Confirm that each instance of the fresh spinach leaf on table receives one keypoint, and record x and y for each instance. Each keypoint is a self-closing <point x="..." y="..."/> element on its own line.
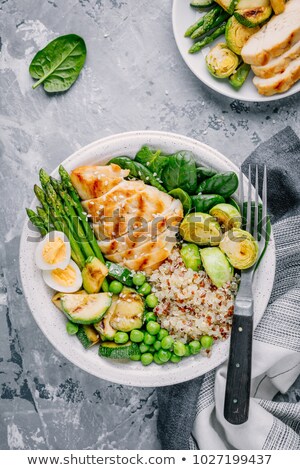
<point x="58" y="65"/>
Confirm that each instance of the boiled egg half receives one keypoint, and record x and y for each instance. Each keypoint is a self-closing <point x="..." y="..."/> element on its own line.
<point x="65" y="280"/>
<point x="53" y="251"/>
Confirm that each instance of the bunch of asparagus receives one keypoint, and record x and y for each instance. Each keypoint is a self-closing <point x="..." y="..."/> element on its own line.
<point x="62" y="210"/>
<point x="213" y="22"/>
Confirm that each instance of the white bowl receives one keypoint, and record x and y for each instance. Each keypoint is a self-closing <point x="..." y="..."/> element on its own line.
<point x="52" y="322"/>
<point x="183" y="15"/>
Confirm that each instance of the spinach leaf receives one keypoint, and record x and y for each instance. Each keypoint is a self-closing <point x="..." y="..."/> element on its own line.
<point x="58" y="65"/>
<point x="138" y="171"/>
<point x="152" y="159"/>
<point x="180" y="172"/>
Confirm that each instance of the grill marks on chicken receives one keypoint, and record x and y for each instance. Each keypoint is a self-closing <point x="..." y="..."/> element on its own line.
<point x="136" y="224"/>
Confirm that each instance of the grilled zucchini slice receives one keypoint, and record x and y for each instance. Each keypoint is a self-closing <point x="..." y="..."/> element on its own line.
<point x="104" y="327"/>
<point x="86" y="308"/>
<point x="118" y="351"/>
<point x="56" y="299"/>
<point x="93" y="275"/>
<point x="88" y="336"/>
<point x="228" y="5"/>
<point x="253" y="17"/>
<point x="129" y="311"/>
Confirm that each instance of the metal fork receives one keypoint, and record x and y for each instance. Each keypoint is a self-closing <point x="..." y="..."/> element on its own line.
<point x="237" y="394"/>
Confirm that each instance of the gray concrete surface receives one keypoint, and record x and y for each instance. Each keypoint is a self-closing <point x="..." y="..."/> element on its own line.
<point x="134" y="78"/>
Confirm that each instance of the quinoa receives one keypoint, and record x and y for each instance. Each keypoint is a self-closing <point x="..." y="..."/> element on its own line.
<point x="190" y="306"/>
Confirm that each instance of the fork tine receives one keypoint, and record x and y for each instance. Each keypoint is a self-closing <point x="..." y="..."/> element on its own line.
<point x="264" y="202"/>
<point x="249" y="205"/>
<point x="255" y="228"/>
<point x="241" y="191"/>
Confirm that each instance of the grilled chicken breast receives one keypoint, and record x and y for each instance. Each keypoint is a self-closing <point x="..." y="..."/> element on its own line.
<point x="276" y="37"/>
<point x="94" y="181"/>
<point x="280" y="82"/>
<point x="279" y="64"/>
<point x="135" y="223"/>
<point x="125" y="207"/>
<point x="143" y="232"/>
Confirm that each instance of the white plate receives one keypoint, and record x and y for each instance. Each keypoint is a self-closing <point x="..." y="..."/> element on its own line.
<point x="52" y="322"/>
<point x="183" y="16"/>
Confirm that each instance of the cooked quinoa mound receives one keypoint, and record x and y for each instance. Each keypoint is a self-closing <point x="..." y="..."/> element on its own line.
<point x="189" y="304"/>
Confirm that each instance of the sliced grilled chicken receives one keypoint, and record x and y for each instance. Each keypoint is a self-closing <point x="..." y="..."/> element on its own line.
<point x="148" y="254"/>
<point x="125" y="207"/>
<point x="94" y="181"/>
<point x="145" y="232"/>
<point x="279" y="83"/>
<point x="274" y="38"/>
<point x="279" y="64"/>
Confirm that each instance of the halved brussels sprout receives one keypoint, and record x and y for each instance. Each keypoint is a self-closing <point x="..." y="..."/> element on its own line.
<point x="237" y="34"/>
<point x="240" y="248"/>
<point x="201" y="229"/>
<point x="227" y="216"/>
<point x="221" y="61"/>
<point x="191" y="256"/>
<point x="216" y="265"/>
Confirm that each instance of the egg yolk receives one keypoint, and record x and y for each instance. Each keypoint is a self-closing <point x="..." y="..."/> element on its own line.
<point x="54" y="251"/>
<point x="64" y="277"/>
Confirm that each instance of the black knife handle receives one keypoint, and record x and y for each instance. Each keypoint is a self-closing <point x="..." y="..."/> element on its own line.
<point x="238" y="382"/>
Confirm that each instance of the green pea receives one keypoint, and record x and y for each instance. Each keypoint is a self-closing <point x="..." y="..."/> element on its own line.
<point x="121" y="337"/>
<point x="157" y="345"/>
<point x="139" y="279"/>
<point x="167" y="342"/>
<point x="206" y="341"/>
<point x="151" y="300"/>
<point x="71" y="328"/>
<point x="150" y="316"/>
<point x="179" y="348"/>
<point x="136" y="336"/>
<point x="153" y="327"/>
<point x="144" y="348"/>
<point x="187" y="351"/>
<point x="175" y="358"/>
<point x="149" y="339"/>
<point x="195" y="347"/>
<point x="156" y="359"/>
<point x="145" y="289"/>
<point x="152" y="349"/>
<point x="146" y="359"/>
<point x="115" y="287"/>
<point x="162" y="334"/>
<point x="163" y="355"/>
<point x="135" y="357"/>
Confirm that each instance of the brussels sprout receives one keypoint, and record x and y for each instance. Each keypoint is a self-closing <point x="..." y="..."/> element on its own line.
<point x="201" y="229"/>
<point x="216" y="265"/>
<point x="227" y="216"/>
<point x="191" y="256"/>
<point x="237" y="34"/>
<point x="240" y="248"/>
<point x="221" y="61"/>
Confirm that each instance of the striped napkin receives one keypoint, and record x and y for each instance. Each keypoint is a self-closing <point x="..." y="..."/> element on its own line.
<point x="191" y="414"/>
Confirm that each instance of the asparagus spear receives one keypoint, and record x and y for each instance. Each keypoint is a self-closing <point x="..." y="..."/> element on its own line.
<point x="210" y="22"/>
<point x="45" y="217"/>
<point x="36" y="220"/>
<point x="58" y="209"/>
<point x="238" y="78"/>
<point x="42" y="198"/>
<point x="201" y="20"/>
<point x="76" y="223"/>
<point x="66" y="181"/>
<point x="208" y="39"/>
